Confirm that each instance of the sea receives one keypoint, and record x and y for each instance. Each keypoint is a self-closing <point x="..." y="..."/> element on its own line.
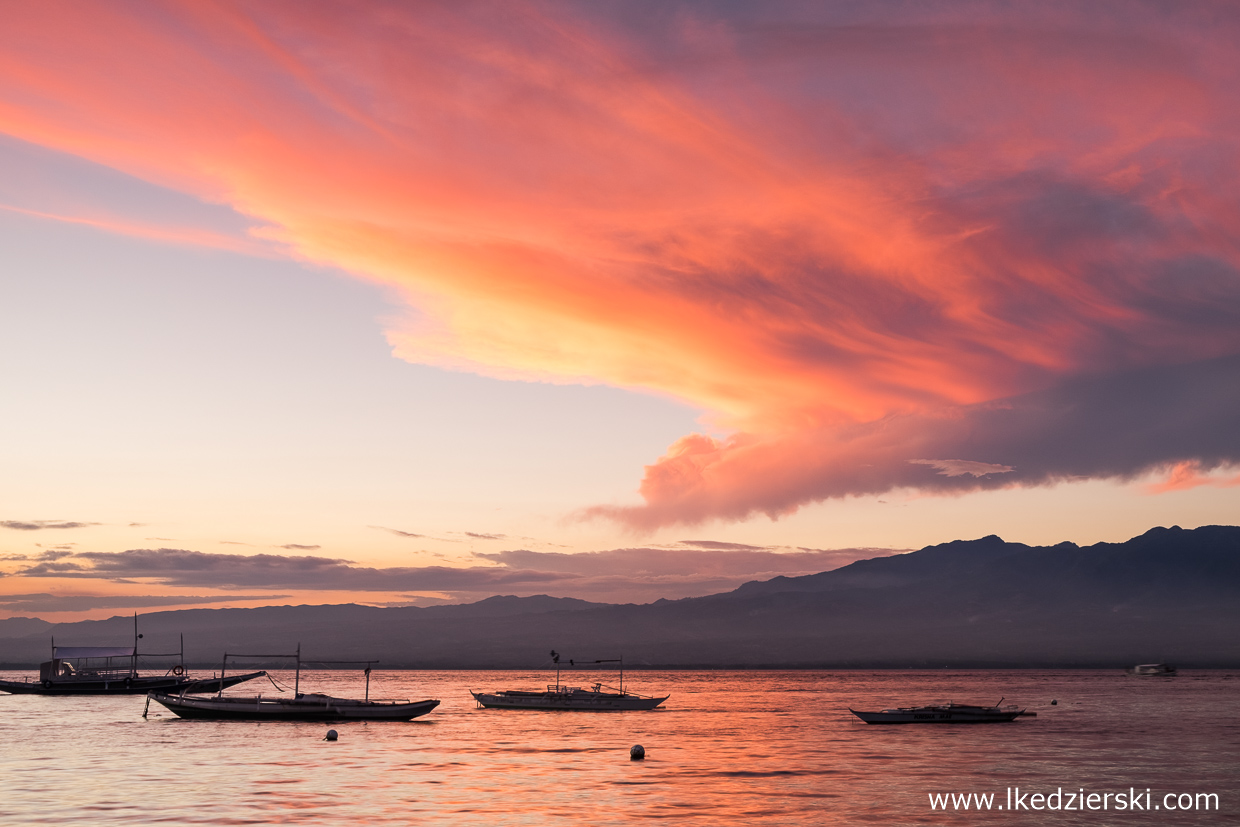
<point x="728" y="747"/>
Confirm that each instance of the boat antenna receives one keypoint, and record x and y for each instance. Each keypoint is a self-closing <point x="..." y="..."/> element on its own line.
<point x="133" y="659"/>
<point x="555" y="657"/>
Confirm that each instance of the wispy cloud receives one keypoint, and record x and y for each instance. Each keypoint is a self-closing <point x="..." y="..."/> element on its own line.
<point x="717" y="545"/>
<point x="960" y="467"/>
<point x="400" y="533"/>
<point x="49" y="603"/>
<point x="1185" y="476"/>
<point x="41" y="525"/>
<point x="299" y="547"/>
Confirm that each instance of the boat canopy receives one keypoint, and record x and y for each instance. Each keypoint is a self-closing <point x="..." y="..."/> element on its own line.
<point x="66" y="652"/>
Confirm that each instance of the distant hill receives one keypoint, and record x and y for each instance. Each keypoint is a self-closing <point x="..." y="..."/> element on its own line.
<point x="22" y="626"/>
<point x="1169" y="594"/>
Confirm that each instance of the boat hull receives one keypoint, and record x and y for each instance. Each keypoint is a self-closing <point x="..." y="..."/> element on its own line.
<point x="305" y="708"/>
<point x="130" y="686"/>
<point x="564" y="701"/>
<point x="940" y="715"/>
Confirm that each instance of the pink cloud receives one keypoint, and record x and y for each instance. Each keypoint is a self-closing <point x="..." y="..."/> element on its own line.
<point x="852" y="237"/>
<point x="1184" y="476"/>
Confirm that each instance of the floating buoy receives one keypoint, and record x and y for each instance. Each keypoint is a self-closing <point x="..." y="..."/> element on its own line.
<point x="637" y="753"/>
<point x="331" y="735"/>
<point x="1054" y="703"/>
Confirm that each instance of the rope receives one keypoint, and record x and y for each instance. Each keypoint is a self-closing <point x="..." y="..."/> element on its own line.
<point x="276" y="685"/>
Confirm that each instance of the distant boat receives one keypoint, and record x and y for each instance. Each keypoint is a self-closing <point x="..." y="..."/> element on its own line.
<point x="300" y="707"/>
<point x="1152" y="670"/>
<point x="558" y="696"/>
<point x="113" y="670"/>
<point x="945" y="714"/>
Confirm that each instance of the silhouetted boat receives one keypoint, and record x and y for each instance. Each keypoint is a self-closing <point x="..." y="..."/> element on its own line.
<point x="944" y="714"/>
<point x="59" y="676"/>
<point x="113" y="670"/>
<point x="299" y="707"/>
<point x="302" y="707"/>
<point x="560" y="697"/>
<point x="1152" y="670"/>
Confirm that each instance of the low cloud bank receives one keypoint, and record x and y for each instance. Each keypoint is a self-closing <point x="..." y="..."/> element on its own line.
<point x="617" y="575"/>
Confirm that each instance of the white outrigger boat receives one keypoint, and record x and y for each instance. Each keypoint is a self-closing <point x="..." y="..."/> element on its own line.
<point x="300" y="707"/>
<point x="1152" y="670"/>
<point x="949" y="713"/>
<point x="558" y="696"/>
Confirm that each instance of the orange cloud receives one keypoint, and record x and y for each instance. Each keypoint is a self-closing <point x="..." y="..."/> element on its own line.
<point x="1184" y="476"/>
<point x="195" y="236"/>
<point x="846" y="238"/>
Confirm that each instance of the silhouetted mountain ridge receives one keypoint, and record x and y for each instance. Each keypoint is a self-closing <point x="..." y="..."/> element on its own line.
<point x="1169" y="594"/>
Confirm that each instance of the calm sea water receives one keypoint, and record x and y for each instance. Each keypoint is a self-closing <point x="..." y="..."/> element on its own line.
<point x="753" y="748"/>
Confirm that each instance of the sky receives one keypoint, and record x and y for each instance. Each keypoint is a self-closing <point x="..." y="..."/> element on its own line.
<point x="400" y="304"/>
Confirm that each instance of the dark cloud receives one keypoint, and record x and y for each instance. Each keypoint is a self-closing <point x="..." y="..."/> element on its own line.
<point x="40" y="525"/>
<point x="87" y="602"/>
<point x="180" y="567"/>
<point x="299" y="547"/>
<point x="1109" y="426"/>
<point x="618" y="575"/>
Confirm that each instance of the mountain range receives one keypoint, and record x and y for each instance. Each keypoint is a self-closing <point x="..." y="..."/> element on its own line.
<point x="1168" y="595"/>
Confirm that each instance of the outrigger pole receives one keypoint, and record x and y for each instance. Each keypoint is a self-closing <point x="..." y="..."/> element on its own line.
<point x="354" y="662"/>
<point x="555" y="656"/>
<point x="297" y="674"/>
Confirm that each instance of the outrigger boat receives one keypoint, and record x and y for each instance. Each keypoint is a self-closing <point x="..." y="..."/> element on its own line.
<point x="945" y="714"/>
<point x="560" y="697"/>
<point x="1152" y="670"/>
<point x="300" y="707"/>
<point x="113" y="670"/>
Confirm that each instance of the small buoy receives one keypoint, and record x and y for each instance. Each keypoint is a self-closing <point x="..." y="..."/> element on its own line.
<point x="1054" y="703"/>
<point x="637" y="753"/>
<point x="331" y="735"/>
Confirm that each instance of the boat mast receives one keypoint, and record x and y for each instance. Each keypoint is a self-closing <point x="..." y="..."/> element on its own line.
<point x="297" y="674"/>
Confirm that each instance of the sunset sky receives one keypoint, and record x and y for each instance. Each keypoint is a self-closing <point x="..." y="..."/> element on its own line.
<point x="318" y="302"/>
